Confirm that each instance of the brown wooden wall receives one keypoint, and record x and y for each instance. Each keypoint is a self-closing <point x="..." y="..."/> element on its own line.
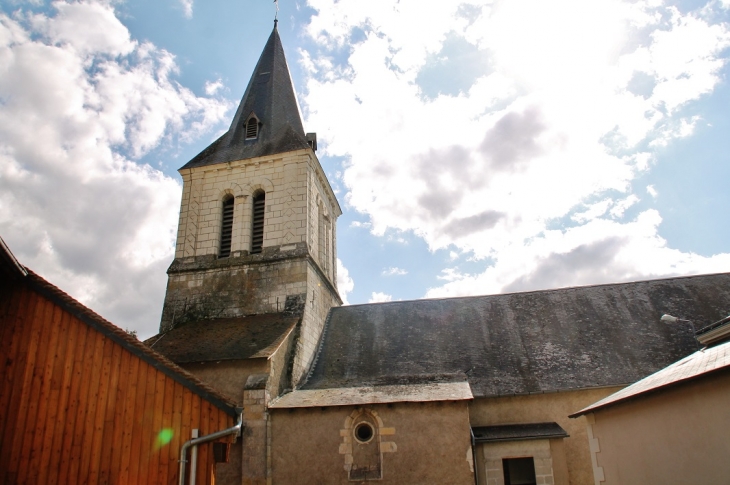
<point x="78" y="407"/>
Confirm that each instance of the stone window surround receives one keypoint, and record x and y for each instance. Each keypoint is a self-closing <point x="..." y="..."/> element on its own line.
<point x="347" y="434"/>
<point x="492" y="454"/>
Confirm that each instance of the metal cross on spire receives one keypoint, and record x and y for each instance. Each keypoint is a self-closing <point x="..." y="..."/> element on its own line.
<point x="276" y="14"/>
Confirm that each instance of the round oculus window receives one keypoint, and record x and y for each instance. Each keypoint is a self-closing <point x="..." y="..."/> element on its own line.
<point x="364" y="432"/>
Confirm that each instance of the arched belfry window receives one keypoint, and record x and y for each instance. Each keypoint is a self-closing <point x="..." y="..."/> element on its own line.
<point x="226" y="227"/>
<point x="257" y="227"/>
<point x="252" y="128"/>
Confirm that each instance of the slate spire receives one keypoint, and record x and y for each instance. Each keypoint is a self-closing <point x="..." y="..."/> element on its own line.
<point x="269" y="98"/>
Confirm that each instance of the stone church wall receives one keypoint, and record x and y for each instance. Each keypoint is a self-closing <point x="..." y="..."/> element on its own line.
<point x="416" y="443"/>
<point x="538" y="408"/>
<point x="320" y="298"/>
<point x="229" y="378"/>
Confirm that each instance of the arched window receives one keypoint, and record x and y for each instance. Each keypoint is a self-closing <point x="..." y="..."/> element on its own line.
<point x="324" y="240"/>
<point x="366" y="456"/>
<point x="252" y="128"/>
<point x="226" y="227"/>
<point x="257" y="227"/>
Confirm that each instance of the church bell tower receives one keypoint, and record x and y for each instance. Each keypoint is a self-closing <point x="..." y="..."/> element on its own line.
<point x="257" y="229"/>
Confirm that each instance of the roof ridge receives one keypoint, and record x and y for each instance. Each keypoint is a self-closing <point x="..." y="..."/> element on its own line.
<point x="319" y="349"/>
<point x="546" y="290"/>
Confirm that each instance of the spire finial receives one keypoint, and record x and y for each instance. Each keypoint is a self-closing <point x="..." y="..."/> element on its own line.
<point x="276" y="14"/>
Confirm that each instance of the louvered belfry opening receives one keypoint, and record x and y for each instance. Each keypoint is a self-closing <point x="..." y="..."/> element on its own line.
<point x="226" y="228"/>
<point x="257" y="236"/>
<point x="252" y="128"/>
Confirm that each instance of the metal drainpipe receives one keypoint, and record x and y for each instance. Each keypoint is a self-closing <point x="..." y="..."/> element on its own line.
<point x="194" y="459"/>
<point x="474" y="456"/>
<point x="235" y="430"/>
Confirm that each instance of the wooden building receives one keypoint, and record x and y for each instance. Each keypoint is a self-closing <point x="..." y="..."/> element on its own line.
<point x="81" y="401"/>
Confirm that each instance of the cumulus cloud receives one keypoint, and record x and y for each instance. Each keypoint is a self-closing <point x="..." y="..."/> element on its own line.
<point x="82" y="101"/>
<point x="187" y="6"/>
<point x="212" y="87"/>
<point x="379" y="297"/>
<point x="394" y="271"/>
<point x="345" y="283"/>
<point x="550" y="129"/>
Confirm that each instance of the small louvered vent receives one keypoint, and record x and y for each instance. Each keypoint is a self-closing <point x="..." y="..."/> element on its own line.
<point x="226" y="228"/>
<point x="252" y="128"/>
<point x="257" y="237"/>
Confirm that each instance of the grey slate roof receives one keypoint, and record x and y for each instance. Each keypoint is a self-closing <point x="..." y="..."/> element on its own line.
<point x="517" y="432"/>
<point x="697" y="365"/>
<point x="270" y="95"/>
<point x="520" y="343"/>
<point x="255" y="336"/>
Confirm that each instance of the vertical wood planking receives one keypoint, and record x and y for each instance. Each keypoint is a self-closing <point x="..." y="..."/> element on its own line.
<point x="138" y="409"/>
<point x="205" y="423"/>
<point x="147" y="430"/>
<point x="54" y="399"/>
<point x="78" y="407"/>
<point x="82" y="408"/>
<point x="118" y="433"/>
<point x="28" y="367"/>
<point x="186" y="427"/>
<point x="105" y="381"/>
<point x="62" y="426"/>
<point x="72" y="405"/>
<point x="105" y="459"/>
<point x="91" y="400"/>
<point x="40" y="422"/>
<point x="164" y="452"/>
<point x="195" y="419"/>
<point x="10" y="346"/>
<point x="177" y="439"/>
<point x="157" y="426"/>
<point x="125" y="446"/>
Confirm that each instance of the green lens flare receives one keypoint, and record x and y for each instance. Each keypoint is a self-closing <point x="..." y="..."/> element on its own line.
<point x="163" y="438"/>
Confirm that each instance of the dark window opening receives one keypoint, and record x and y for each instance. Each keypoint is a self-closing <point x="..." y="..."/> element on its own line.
<point x="257" y="234"/>
<point x="221" y="452"/>
<point x="252" y="128"/>
<point x="519" y="471"/>
<point x="364" y="432"/>
<point x="226" y="228"/>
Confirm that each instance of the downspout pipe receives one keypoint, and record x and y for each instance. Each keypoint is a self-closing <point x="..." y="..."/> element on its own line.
<point x="235" y="430"/>
<point x="474" y="456"/>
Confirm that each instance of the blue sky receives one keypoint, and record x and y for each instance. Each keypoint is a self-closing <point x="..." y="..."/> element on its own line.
<point x="475" y="147"/>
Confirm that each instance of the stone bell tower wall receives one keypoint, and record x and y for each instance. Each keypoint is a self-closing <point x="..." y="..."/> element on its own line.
<point x="298" y="255"/>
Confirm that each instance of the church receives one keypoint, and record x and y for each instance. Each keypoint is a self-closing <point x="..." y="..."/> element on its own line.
<point x="472" y="390"/>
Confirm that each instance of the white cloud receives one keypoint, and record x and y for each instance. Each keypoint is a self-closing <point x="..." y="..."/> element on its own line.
<point x="379" y="297"/>
<point x="359" y="224"/>
<point x="594" y="211"/>
<point x="212" y="87"/>
<point x="601" y="251"/>
<point x="187" y="6"/>
<point x="81" y="101"/>
<point x="345" y="283"/>
<point x="102" y="32"/>
<point x="651" y="191"/>
<point x="536" y="136"/>
<point x="394" y="271"/>
<point x="617" y="211"/>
